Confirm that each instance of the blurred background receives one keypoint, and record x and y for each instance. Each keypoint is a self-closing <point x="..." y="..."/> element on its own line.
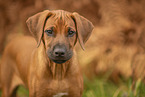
<point x="113" y="63"/>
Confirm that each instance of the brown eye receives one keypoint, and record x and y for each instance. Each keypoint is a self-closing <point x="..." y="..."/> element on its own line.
<point x="71" y="33"/>
<point x="49" y="32"/>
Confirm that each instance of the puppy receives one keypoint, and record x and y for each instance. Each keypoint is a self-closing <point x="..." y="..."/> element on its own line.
<point x="46" y="63"/>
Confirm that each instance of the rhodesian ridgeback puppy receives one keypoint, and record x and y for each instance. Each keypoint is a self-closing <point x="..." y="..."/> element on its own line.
<point x="46" y="64"/>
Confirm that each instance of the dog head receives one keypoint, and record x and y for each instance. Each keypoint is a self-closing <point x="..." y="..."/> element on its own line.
<point x="59" y="30"/>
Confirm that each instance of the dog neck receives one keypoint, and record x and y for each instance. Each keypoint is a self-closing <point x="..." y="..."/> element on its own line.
<point x="58" y="70"/>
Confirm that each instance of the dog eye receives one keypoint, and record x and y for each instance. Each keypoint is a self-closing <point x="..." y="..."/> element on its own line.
<point x="71" y="33"/>
<point x="49" y="32"/>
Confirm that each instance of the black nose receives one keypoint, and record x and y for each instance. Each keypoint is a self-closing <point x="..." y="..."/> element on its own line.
<point x="59" y="51"/>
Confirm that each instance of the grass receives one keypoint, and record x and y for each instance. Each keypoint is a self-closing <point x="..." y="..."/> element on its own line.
<point x="100" y="87"/>
<point x="105" y="88"/>
<point x="22" y="92"/>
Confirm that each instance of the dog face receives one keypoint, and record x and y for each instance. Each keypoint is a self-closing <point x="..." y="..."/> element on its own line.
<point x="59" y="37"/>
<point x="59" y="31"/>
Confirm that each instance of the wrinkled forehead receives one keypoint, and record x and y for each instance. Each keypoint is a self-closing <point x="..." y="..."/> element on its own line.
<point x="60" y="18"/>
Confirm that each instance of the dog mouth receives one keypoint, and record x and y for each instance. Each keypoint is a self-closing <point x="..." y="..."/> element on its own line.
<point x="59" y="61"/>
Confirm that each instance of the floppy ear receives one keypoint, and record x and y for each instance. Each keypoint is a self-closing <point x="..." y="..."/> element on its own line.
<point x="36" y="24"/>
<point x="84" y="28"/>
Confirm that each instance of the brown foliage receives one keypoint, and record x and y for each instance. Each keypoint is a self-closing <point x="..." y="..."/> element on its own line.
<point x="117" y="44"/>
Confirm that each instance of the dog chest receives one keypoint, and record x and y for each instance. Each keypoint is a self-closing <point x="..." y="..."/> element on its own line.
<point x="59" y="85"/>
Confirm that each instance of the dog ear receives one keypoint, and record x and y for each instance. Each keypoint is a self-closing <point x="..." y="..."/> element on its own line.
<point x="36" y="24"/>
<point x="84" y="28"/>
